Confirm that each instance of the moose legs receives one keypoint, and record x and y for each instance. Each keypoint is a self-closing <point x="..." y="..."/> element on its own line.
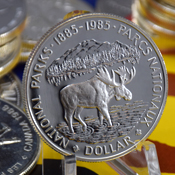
<point x="78" y="117"/>
<point x="103" y="111"/>
<point x="68" y="117"/>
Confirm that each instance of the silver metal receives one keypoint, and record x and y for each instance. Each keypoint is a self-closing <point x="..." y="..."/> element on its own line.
<point x="19" y="143"/>
<point x="10" y="89"/>
<point x="72" y="76"/>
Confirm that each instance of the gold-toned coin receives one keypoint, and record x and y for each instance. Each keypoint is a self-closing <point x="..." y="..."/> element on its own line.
<point x="10" y="56"/>
<point x="8" y="48"/>
<point x="148" y="25"/>
<point x="163" y="38"/>
<point x="169" y="2"/>
<point x="155" y="16"/>
<point x="163" y="7"/>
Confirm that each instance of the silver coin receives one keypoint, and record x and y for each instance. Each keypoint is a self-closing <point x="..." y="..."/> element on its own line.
<point x="12" y="17"/>
<point x="10" y="89"/>
<point x="95" y="86"/>
<point x="19" y="143"/>
<point x="39" y="21"/>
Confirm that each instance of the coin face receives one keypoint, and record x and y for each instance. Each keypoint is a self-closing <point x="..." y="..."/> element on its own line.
<point x="19" y="143"/>
<point x="95" y="85"/>
<point x="10" y="89"/>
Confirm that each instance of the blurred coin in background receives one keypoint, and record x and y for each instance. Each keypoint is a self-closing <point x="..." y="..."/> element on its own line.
<point x="10" y="89"/>
<point x="117" y="7"/>
<point x="9" y="55"/>
<point x="157" y="19"/>
<point x="12" y="17"/>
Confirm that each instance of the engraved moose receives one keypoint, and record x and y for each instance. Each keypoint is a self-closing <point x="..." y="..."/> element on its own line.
<point x="95" y="93"/>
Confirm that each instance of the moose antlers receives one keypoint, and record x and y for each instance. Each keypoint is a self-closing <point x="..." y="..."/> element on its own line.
<point x="104" y="76"/>
<point x="126" y="76"/>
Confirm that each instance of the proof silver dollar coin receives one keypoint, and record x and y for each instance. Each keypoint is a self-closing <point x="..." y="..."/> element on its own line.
<point x="95" y="86"/>
<point x="19" y="143"/>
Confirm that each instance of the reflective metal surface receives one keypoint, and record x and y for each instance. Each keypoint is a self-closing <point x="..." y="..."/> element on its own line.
<point x="94" y="86"/>
<point x="19" y="143"/>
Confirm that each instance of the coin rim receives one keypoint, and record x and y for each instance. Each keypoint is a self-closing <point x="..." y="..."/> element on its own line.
<point x="16" y="30"/>
<point x="31" y="58"/>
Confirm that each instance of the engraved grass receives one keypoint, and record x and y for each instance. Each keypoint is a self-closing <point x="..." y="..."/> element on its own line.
<point x="124" y="119"/>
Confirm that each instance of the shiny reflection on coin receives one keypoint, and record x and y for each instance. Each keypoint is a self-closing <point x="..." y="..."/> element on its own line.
<point x="95" y="86"/>
<point x="19" y="144"/>
<point x="12" y="17"/>
<point x="10" y="89"/>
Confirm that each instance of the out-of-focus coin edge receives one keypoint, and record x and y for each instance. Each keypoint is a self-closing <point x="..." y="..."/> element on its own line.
<point x="10" y="35"/>
<point x="7" y="67"/>
<point x="159" y="6"/>
<point x="139" y="18"/>
<point x="155" y="16"/>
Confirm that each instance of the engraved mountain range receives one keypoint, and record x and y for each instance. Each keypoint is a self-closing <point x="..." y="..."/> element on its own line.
<point x="87" y="56"/>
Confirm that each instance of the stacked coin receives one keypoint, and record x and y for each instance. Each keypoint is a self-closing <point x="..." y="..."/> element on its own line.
<point x="39" y="22"/>
<point x="12" y="17"/>
<point x="157" y="18"/>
